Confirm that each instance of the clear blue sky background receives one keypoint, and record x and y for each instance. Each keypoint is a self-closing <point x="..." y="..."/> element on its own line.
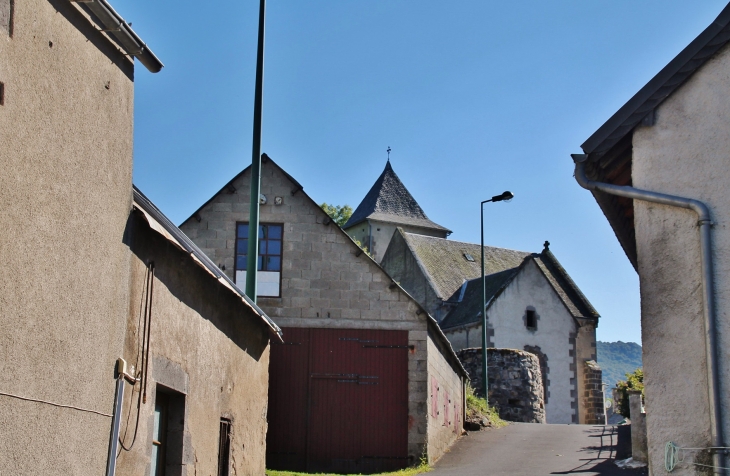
<point x="474" y="97"/>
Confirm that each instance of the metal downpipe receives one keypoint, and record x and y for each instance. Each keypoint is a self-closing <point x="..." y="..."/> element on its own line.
<point x="708" y="286"/>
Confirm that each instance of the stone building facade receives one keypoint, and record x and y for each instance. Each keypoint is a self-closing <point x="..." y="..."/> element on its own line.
<point x="75" y="254"/>
<point x="206" y="347"/>
<point x="65" y="206"/>
<point x="326" y="281"/>
<point x="515" y="382"/>
<point x="532" y="305"/>
<point x="672" y="138"/>
<point x="387" y="206"/>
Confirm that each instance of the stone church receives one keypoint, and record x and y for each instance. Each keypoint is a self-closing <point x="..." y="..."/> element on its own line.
<point x="532" y="303"/>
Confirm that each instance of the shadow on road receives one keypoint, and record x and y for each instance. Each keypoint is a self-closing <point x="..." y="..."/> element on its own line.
<point x="602" y="455"/>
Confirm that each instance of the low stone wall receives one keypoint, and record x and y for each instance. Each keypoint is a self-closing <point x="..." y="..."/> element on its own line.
<point x="593" y="401"/>
<point x="515" y="382"/>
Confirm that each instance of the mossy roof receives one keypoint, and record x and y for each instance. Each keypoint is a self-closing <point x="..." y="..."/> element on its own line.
<point x="467" y="311"/>
<point x="447" y="267"/>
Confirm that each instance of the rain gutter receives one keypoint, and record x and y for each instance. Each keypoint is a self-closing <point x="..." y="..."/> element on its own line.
<point x="708" y="286"/>
<point x="113" y="24"/>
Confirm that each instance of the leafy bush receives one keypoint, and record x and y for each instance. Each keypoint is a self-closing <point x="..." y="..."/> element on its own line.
<point x="634" y="381"/>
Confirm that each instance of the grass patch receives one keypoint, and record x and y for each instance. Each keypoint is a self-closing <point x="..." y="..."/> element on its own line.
<point x="413" y="471"/>
<point x="477" y="407"/>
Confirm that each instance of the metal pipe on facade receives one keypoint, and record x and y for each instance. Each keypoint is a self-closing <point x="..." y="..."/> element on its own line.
<point x="253" y="221"/>
<point x="708" y="285"/>
<point x="111" y="461"/>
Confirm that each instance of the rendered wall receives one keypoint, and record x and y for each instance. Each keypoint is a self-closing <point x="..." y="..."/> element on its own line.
<point x="327" y="282"/>
<point x="685" y="153"/>
<point x="66" y="155"/>
<point x="445" y="403"/>
<point x="206" y="344"/>
<point x="555" y="336"/>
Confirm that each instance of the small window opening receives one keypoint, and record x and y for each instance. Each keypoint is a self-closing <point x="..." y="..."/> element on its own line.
<point x="224" y="448"/>
<point x="531" y="319"/>
<point x="6" y="16"/>
<point x="468" y="257"/>
<point x="2" y="94"/>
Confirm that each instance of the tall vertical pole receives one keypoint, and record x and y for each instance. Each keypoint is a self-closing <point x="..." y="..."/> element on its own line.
<point x="253" y="222"/>
<point x="485" y="384"/>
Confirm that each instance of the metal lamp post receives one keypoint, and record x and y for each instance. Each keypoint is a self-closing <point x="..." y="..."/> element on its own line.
<point x="505" y="196"/>
<point x="253" y="220"/>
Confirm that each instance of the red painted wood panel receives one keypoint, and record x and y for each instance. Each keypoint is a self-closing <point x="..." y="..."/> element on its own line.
<point x="357" y="401"/>
<point x="286" y="439"/>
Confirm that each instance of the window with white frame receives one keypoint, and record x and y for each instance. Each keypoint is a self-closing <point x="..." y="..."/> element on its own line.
<point x="269" y="260"/>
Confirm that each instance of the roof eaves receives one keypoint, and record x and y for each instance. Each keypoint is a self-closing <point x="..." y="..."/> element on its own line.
<point x="104" y="15"/>
<point x="160" y="223"/>
<point x="661" y="86"/>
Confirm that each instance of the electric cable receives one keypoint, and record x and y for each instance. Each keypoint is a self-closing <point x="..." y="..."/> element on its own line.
<point x="141" y="322"/>
<point x="60" y="405"/>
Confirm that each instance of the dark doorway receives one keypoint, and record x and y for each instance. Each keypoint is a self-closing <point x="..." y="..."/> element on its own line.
<point x="168" y="433"/>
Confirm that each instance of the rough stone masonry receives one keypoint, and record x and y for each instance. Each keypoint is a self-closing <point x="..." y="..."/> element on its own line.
<point x="515" y="382"/>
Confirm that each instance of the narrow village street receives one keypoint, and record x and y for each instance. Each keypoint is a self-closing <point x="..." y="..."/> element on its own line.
<point x="525" y="449"/>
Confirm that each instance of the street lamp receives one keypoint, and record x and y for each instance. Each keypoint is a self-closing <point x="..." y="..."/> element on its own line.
<point x="504" y="197"/>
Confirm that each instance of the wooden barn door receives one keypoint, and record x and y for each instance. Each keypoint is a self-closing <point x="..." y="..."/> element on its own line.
<point x="356" y="415"/>
<point x="286" y="438"/>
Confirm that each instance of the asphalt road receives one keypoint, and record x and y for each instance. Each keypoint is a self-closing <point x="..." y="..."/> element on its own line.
<point x="524" y="449"/>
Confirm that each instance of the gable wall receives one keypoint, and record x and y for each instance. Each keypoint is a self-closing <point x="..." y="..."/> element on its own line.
<point x="66" y="175"/>
<point x="324" y="283"/>
<point x="403" y="266"/>
<point x="685" y="153"/>
<point x="555" y="336"/>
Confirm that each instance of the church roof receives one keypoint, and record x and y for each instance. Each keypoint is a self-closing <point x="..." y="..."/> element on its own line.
<point x="388" y="200"/>
<point x="469" y="301"/>
<point x="446" y="264"/>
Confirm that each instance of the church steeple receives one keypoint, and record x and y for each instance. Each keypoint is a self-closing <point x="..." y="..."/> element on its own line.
<point x="390" y="201"/>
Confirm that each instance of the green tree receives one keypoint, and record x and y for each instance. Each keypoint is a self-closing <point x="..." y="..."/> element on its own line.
<point x="340" y="214"/>
<point x="634" y="381"/>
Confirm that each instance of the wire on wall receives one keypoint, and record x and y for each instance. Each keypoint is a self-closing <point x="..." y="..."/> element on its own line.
<point x="60" y="405"/>
<point x="142" y="351"/>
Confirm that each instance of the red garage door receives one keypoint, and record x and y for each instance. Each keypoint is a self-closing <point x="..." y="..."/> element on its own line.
<point x="338" y="401"/>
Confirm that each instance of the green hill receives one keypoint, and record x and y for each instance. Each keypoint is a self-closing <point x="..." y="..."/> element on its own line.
<point x="616" y="359"/>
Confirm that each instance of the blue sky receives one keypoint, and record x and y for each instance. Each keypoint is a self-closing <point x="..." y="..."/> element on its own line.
<point x="473" y="97"/>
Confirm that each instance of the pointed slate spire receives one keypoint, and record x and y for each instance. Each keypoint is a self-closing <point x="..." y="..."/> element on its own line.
<point x="388" y="200"/>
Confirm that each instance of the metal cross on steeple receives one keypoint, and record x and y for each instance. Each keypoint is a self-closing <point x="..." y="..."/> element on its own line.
<point x="388" y="153"/>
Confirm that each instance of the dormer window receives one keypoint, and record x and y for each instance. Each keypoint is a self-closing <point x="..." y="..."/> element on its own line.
<point x="531" y="318"/>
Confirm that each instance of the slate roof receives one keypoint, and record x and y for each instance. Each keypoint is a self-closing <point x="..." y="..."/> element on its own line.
<point x="446" y="267"/>
<point x="468" y="309"/>
<point x="388" y="200"/>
